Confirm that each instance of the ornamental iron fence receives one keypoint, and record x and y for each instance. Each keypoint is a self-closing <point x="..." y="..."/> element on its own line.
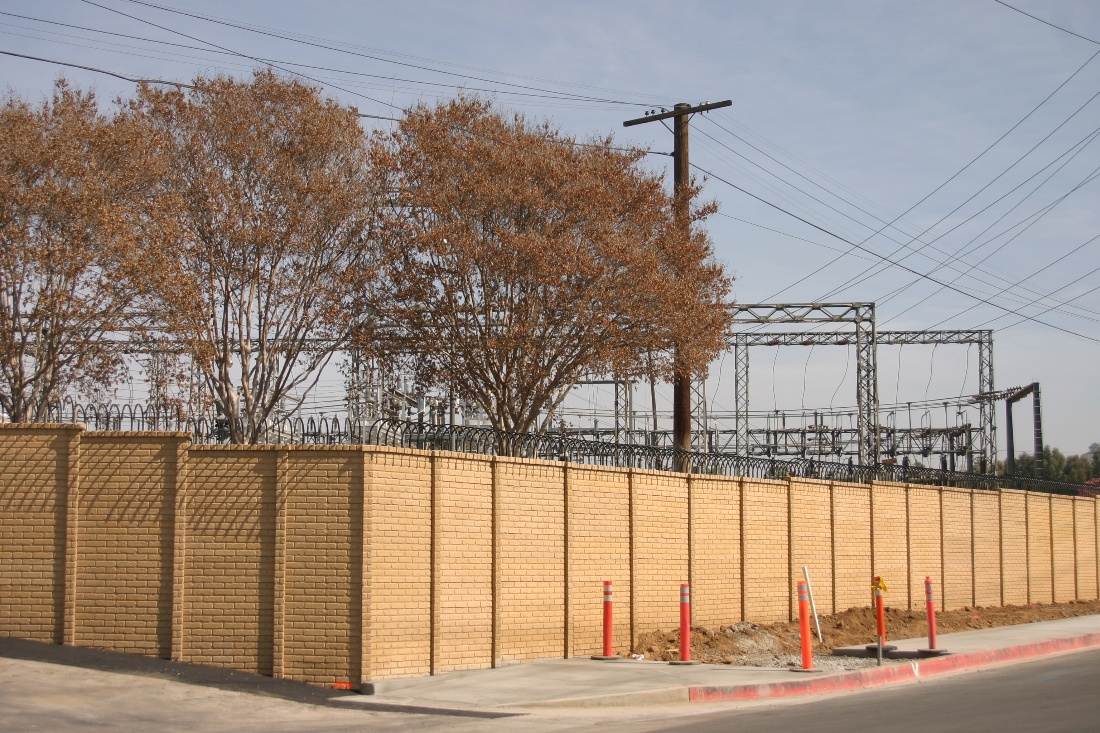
<point x="321" y="430"/>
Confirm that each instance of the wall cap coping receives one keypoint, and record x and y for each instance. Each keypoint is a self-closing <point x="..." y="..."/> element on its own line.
<point x="139" y="434"/>
<point x="42" y="427"/>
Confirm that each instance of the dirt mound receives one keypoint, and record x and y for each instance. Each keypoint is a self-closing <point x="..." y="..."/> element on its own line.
<point x="721" y="646"/>
<point x="771" y="645"/>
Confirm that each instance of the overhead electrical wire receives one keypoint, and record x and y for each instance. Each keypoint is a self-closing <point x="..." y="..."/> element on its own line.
<point x="1028" y="222"/>
<point x="1069" y="284"/>
<point x="1033" y="274"/>
<point x="236" y="53"/>
<point x="140" y="80"/>
<point x="893" y="262"/>
<point x="292" y="36"/>
<point x="950" y="257"/>
<point x="266" y="60"/>
<point x="1046" y="22"/>
<point x="1057" y="305"/>
<point x="953" y="176"/>
<point x="778" y="193"/>
<point x="1018" y="160"/>
<point x="337" y="49"/>
<point x="786" y="234"/>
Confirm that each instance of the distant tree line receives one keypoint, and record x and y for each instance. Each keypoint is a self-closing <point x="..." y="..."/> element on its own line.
<point x="1060" y="467"/>
<point x="246" y="231"/>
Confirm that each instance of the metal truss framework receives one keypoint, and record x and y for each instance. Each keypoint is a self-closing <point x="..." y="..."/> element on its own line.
<point x="861" y="315"/>
<point x="867" y="340"/>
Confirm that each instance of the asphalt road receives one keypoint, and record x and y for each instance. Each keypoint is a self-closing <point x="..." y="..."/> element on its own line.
<point x="66" y="690"/>
<point x="1058" y="694"/>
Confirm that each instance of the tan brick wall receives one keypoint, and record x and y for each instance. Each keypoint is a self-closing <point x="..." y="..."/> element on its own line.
<point x="34" y="479"/>
<point x="891" y="544"/>
<point x="333" y="564"/>
<point x="958" y="550"/>
<point x="812" y="540"/>
<point x="924" y="546"/>
<point x="125" y="542"/>
<point x="1014" y="564"/>
<point x="852" y="546"/>
<point x="398" y="540"/>
<point x="1039" y="549"/>
<point x="716" y="551"/>
<point x="531" y="560"/>
<point x="987" y="548"/>
<point x="321" y="565"/>
<point x="229" y="586"/>
<point x="464" y="563"/>
<point x="1085" y="518"/>
<point x="660" y="549"/>
<point x="1064" y="546"/>
<point x="599" y="550"/>
<point x="766" y="550"/>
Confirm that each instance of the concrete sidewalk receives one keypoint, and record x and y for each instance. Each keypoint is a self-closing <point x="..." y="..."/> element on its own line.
<point x="577" y="683"/>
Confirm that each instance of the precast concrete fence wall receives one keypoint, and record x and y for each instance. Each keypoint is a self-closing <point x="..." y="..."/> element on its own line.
<point x="351" y="564"/>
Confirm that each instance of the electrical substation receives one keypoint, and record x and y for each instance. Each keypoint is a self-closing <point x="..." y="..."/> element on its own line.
<point x="957" y="432"/>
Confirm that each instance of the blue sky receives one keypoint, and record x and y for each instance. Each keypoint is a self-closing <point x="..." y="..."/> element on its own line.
<point x="859" y="104"/>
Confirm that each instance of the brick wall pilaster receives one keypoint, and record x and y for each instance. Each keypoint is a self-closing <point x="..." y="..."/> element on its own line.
<point x="179" y="556"/>
<point x="365" y="667"/>
<point x="495" y="569"/>
<point x="278" y="666"/>
<point x="71" y="537"/>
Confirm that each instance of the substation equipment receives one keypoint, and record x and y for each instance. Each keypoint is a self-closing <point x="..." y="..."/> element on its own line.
<point x="870" y="435"/>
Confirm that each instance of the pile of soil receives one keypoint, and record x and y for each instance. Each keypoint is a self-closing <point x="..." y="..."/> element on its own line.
<point x="775" y="645"/>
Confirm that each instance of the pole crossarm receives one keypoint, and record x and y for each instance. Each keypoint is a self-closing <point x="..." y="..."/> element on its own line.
<point x="679" y="111"/>
<point x="685" y="414"/>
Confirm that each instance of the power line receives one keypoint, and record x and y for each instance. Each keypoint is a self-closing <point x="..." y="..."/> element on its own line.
<point x="1046" y="22"/>
<point x="986" y="186"/>
<point x="1034" y="218"/>
<point x="956" y="174"/>
<point x="890" y="261"/>
<point x="1047" y="310"/>
<point x="282" y="36"/>
<point x="236" y="53"/>
<point x="140" y="80"/>
<point x="1046" y="210"/>
<point x="296" y="37"/>
<point x="262" y="59"/>
<point x="783" y="233"/>
<point x="949" y="258"/>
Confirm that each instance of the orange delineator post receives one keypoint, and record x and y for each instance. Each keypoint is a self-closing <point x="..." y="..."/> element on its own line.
<point x="804" y="625"/>
<point x="930" y="599"/>
<point x="607" y="603"/>
<point x="685" y="622"/>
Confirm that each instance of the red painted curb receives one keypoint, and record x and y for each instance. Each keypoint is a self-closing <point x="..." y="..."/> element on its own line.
<point x="877" y="676"/>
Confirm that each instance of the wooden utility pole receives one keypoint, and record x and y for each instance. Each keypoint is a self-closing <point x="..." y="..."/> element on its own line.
<point x="681" y="175"/>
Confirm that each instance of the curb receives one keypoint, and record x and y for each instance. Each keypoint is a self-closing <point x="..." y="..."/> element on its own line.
<point x="878" y="676"/>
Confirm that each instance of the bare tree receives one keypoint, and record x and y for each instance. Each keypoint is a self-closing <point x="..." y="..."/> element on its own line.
<point x="72" y="181"/>
<point x="256" y="270"/>
<point x="523" y="260"/>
